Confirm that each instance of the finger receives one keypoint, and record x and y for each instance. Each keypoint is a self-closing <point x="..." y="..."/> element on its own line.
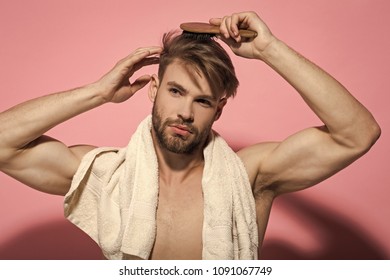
<point x="233" y="44"/>
<point x="139" y="55"/>
<point x="234" y="24"/>
<point x="223" y="28"/>
<point x="215" y="21"/>
<point x="136" y="60"/>
<point x="228" y="23"/>
<point x="140" y="83"/>
<point x="152" y="50"/>
<point x="145" y="62"/>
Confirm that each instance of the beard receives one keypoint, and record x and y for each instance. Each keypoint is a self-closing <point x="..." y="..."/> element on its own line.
<point x="178" y="144"/>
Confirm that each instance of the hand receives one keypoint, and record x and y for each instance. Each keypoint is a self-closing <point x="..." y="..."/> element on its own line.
<point x="249" y="48"/>
<point x="115" y="85"/>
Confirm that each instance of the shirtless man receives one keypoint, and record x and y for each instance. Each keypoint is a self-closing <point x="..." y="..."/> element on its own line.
<point x="274" y="168"/>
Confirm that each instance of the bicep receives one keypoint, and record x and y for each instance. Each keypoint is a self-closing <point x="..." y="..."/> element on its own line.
<point x="46" y="164"/>
<point x="300" y="161"/>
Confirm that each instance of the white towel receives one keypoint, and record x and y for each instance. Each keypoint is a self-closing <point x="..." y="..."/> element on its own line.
<point x="114" y="196"/>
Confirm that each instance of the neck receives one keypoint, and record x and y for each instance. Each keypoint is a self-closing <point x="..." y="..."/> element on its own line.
<point x="176" y="168"/>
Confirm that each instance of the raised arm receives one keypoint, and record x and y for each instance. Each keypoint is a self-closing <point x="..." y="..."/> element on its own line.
<point x="45" y="163"/>
<point x="313" y="154"/>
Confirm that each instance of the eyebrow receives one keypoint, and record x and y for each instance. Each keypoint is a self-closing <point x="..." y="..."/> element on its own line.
<point x="178" y="86"/>
<point x="182" y="89"/>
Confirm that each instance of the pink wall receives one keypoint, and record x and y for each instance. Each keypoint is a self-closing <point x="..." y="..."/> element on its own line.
<point x="49" y="46"/>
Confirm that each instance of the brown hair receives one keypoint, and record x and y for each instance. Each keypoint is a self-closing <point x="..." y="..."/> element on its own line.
<point x="205" y="54"/>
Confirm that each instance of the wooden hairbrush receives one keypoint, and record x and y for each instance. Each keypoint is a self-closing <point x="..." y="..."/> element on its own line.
<point x="206" y="28"/>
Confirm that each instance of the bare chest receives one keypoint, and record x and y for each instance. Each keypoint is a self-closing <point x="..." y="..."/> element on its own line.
<point x="179" y="222"/>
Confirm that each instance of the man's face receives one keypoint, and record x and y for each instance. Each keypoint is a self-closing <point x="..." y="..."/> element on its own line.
<point x="184" y="109"/>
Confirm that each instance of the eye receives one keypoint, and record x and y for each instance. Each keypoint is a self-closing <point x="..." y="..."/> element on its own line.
<point x="204" y="102"/>
<point x="174" y="91"/>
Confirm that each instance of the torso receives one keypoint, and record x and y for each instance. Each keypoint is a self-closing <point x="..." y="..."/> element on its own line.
<point x="180" y="219"/>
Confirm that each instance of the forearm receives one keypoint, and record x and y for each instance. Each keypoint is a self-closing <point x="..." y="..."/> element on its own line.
<point x="348" y="121"/>
<point x="27" y="121"/>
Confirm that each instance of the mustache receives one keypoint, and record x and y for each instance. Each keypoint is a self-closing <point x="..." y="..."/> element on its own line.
<point x="180" y="122"/>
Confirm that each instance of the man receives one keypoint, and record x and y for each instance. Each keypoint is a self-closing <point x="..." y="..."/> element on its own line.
<point x="187" y="100"/>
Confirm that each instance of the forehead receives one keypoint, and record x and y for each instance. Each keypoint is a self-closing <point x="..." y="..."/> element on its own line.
<point x="188" y="76"/>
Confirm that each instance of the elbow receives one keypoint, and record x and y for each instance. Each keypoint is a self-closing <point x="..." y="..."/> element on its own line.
<point x="375" y="133"/>
<point x="369" y="137"/>
<point x="360" y="138"/>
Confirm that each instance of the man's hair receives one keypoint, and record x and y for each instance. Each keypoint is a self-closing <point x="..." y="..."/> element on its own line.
<point x="204" y="54"/>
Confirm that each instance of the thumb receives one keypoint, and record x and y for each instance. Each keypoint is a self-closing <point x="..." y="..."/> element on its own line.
<point x="140" y="83"/>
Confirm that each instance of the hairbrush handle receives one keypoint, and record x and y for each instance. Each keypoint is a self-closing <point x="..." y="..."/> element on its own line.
<point x="245" y="33"/>
<point x="201" y="27"/>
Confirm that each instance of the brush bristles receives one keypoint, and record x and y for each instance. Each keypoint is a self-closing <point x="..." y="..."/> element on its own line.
<point x="198" y="36"/>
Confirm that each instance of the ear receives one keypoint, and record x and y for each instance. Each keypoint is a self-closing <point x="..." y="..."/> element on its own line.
<point x="221" y="104"/>
<point x="153" y="87"/>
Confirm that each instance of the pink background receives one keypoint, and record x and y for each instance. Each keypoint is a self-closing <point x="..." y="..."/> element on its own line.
<point x="49" y="46"/>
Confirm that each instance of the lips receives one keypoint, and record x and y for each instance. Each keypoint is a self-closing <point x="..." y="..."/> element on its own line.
<point x="181" y="130"/>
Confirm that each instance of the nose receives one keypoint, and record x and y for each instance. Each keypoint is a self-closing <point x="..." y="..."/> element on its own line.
<point x="186" y="112"/>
